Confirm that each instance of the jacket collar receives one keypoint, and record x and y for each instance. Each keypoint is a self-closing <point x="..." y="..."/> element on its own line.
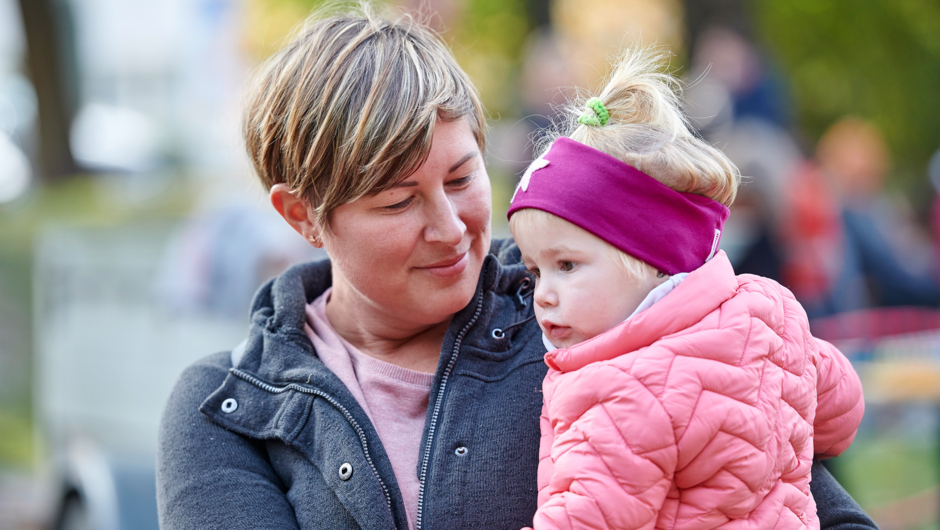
<point x="278" y="351"/>
<point x="703" y="291"/>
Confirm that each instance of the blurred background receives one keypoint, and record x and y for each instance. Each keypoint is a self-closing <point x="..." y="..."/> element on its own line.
<point x="132" y="233"/>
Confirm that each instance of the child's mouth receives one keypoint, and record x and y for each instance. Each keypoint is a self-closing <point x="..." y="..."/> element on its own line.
<point x="557" y="332"/>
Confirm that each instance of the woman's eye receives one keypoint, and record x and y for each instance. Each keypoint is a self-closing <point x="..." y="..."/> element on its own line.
<point x="400" y="205"/>
<point x="566" y="266"/>
<point x="462" y="181"/>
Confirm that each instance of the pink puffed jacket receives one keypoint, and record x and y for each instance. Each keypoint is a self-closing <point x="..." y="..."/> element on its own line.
<point x="702" y="411"/>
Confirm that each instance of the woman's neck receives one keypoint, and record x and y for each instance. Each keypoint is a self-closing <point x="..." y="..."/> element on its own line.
<point x="389" y="339"/>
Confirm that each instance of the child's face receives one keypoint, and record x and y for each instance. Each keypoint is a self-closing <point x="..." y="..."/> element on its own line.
<point x="582" y="289"/>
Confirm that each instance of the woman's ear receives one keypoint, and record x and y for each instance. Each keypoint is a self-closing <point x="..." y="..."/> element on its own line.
<point x="296" y="212"/>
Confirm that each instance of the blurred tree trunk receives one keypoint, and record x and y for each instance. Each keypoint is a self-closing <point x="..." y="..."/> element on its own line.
<point x="46" y="60"/>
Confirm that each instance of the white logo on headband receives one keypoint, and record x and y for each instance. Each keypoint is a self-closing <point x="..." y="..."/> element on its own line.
<point x="536" y="165"/>
<point x="715" y="241"/>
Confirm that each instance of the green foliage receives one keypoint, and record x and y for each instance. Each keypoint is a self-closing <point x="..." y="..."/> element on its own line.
<point x="486" y="37"/>
<point x="16" y="444"/>
<point x="880" y="469"/>
<point x="307" y="5"/>
<point x="876" y="59"/>
<point x="488" y="43"/>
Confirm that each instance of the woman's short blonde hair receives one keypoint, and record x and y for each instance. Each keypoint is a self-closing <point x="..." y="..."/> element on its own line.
<point x="348" y="107"/>
<point x="648" y="129"/>
<point x="534" y="218"/>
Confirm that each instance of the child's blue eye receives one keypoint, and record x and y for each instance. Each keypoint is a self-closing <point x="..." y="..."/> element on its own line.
<point x="566" y="266"/>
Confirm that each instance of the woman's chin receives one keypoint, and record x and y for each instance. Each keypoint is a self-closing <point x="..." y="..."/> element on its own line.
<point x="450" y="299"/>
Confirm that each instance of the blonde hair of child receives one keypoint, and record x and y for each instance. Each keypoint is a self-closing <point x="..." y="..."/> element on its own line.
<point x="347" y="108"/>
<point x="532" y="218"/>
<point x="648" y="130"/>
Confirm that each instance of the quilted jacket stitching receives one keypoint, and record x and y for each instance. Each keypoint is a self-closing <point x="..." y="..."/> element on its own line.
<point x="845" y="413"/>
<point x="611" y="473"/>
<point x="785" y="332"/>
<point x="835" y="386"/>
<point x="632" y="447"/>
<point x="747" y="340"/>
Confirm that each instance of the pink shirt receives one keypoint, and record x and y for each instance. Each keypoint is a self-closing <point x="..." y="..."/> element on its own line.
<point x="394" y="398"/>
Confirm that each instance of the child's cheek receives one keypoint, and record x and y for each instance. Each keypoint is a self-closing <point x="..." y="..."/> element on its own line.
<point x="538" y="316"/>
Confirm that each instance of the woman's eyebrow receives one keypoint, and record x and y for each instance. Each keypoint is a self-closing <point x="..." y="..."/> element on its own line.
<point x="463" y="161"/>
<point x="404" y="184"/>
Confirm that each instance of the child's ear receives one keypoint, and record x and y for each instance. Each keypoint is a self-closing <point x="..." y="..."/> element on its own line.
<point x="296" y="212"/>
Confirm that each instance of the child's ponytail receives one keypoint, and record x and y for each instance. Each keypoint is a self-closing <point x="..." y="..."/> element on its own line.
<point x="638" y="119"/>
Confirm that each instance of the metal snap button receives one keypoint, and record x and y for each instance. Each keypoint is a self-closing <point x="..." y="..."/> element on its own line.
<point x="461" y="451"/>
<point x="229" y="406"/>
<point x="345" y="471"/>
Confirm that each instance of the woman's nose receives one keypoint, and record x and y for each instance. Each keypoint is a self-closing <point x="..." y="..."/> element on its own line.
<point x="444" y="224"/>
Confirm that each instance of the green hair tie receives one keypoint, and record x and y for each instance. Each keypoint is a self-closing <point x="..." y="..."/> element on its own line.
<point x="596" y="115"/>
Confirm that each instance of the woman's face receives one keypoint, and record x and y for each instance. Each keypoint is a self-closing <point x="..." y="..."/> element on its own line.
<point x="414" y="253"/>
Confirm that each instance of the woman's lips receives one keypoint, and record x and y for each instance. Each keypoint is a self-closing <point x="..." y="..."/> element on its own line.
<point x="448" y="268"/>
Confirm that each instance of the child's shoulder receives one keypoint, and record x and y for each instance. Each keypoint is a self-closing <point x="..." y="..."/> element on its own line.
<point x="762" y="284"/>
<point x="782" y="311"/>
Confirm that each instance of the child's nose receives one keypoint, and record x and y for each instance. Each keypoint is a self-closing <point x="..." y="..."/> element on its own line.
<point x="544" y="295"/>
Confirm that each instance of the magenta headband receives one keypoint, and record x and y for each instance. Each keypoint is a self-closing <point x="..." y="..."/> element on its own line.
<point x="672" y="231"/>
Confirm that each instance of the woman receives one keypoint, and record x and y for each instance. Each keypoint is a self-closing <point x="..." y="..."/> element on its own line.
<point x="397" y="385"/>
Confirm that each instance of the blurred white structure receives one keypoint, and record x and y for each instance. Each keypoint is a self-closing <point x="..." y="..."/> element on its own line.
<point x="120" y="310"/>
<point x="12" y="41"/>
<point x="15" y="171"/>
<point x="105" y="137"/>
<point x="17" y="106"/>
<point x="159" y="86"/>
<point x="111" y="342"/>
<point x="106" y="359"/>
<point x="160" y="82"/>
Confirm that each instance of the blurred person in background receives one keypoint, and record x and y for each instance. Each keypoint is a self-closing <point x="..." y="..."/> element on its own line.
<point x="545" y="73"/>
<point x="736" y="103"/>
<point x="739" y="82"/>
<point x="396" y="385"/>
<point x="824" y="227"/>
<point x="216" y="259"/>
<point x="933" y="173"/>
<point x="850" y="245"/>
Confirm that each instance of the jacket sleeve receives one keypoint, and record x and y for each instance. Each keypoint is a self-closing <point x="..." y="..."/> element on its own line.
<point x="545" y="455"/>
<point x="209" y="477"/>
<point x="834" y="507"/>
<point x="613" y="452"/>
<point x="840" y="403"/>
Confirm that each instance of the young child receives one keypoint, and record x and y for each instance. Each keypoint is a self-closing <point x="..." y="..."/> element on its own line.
<point x="679" y="395"/>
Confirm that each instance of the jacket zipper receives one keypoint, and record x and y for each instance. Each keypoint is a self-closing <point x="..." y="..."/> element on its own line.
<point x="361" y="433"/>
<point x="437" y="409"/>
